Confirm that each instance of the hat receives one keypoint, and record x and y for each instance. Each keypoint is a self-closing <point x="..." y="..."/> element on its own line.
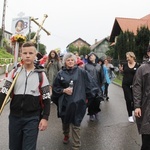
<point x="148" y="49"/>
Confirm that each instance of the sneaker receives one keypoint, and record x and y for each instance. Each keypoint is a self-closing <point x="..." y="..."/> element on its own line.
<point x="92" y="118"/>
<point x="66" y="139"/>
<point x="96" y="116"/>
<point x="131" y="119"/>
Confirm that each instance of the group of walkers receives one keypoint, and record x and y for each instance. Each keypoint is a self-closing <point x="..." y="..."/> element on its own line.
<point x="38" y="85"/>
<point x="85" y="94"/>
<point x="75" y="86"/>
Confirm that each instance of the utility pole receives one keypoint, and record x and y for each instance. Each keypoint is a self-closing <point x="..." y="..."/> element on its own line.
<point x="3" y="22"/>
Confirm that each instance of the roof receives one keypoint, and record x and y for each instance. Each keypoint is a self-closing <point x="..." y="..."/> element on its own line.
<point x="77" y="40"/>
<point x="98" y="43"/>
<point x="128" y="24"/>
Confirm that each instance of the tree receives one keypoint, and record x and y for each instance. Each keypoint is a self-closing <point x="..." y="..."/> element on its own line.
<point x="125" y="43"/>
<point x="84" y="50"/>
<point x="41" y="47"/>
<point x="73" y="49"/>
<point x="111" y="52"/>
<point x="30" y="36"/>
<point x="142" y="41"/>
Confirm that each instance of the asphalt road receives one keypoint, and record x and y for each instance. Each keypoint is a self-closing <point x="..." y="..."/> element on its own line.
<point x="111" y="131"/>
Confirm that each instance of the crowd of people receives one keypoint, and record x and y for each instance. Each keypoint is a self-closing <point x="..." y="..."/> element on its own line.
<point x="76" y="85"/>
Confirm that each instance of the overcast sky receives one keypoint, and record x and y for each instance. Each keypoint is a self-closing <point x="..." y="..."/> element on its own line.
<point x="71" y="19"/>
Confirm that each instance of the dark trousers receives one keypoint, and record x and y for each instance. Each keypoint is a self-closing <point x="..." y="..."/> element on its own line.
<point x="128" y="95"/>
<point x="94" y="106"/>
<point x="23" y="132"/>
<point x="106" y="90"/>
<point x="145" y="142"/>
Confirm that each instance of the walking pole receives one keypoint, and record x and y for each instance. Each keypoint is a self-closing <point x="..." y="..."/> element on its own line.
<point x="10" y="90"/>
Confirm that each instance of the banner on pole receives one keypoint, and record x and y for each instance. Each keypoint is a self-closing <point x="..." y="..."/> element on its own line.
<point x="20" y="25"/>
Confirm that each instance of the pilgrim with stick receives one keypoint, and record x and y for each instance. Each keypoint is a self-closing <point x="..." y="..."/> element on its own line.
<point x="28" y="87"/>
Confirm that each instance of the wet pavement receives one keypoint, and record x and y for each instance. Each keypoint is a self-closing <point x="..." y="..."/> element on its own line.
<point x="111" y="131"/>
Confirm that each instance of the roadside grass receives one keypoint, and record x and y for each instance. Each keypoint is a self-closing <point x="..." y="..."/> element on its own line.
<point x="118" y="80"/>
<point x="5" y="57"/>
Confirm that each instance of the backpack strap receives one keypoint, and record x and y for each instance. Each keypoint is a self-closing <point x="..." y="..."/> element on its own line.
<point x="13" y="76"/>
<point x="40" y="74"/>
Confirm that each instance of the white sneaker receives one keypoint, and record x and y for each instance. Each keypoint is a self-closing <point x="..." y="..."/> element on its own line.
<point x="92" y="117"/>
<point x="131" y="119"/>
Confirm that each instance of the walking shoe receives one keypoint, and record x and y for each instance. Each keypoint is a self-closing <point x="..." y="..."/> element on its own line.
<point x="92" y="117"/>
<point x="96" y="116"/>
<point x="66" y="139"/>
<point x="131" y="119"/>
<point x="107" y="98"/>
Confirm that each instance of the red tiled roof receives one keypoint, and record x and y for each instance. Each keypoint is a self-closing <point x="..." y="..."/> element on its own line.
<point x="132" y="24"/>
<point x="128" y="24"/>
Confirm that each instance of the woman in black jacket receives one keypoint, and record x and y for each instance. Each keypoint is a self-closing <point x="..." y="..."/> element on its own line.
<point x="129" y="70"/>
<point x="71" y="101"/>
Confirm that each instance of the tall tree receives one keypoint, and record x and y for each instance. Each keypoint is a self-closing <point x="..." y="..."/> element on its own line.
<point x="125" y="42"/>
<point x="84" y="50"/>
<point x="142" y="41"/>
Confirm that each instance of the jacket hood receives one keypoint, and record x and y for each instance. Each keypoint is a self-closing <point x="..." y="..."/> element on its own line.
<point x="96" y="60"/>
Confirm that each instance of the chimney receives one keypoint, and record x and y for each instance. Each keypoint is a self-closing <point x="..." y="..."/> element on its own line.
<point x="95" y="41"/>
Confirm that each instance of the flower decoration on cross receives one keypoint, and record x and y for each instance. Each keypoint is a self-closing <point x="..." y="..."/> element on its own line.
<point x="18" y="38"/>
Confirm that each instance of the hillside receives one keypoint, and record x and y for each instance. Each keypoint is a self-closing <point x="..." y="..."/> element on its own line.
<point x="4" y="57"/>
<point x="4" y="54"/>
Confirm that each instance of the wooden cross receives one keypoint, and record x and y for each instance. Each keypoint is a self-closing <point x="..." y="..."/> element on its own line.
<point x="40" y="27"/>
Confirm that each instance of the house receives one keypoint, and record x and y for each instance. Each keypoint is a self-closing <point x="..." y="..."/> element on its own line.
<point x="128" y="24"/>
<point x="100" y="47"/>
<point x="7" y="36"/>
<point x="78" y="43"/>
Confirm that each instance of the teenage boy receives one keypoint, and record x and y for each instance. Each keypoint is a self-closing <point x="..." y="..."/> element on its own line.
<point x="30" y="104"/>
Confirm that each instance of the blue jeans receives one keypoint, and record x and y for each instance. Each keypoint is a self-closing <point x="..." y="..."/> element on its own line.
<point x="23" y="132"/>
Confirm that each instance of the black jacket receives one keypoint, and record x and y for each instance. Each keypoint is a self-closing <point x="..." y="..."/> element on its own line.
<point x="72" y="108"/>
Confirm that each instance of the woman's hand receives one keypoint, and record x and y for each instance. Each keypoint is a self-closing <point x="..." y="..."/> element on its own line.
<point x="120" y="67"/>
<point x="137" y="112"/>
<point x="68" y="91"/>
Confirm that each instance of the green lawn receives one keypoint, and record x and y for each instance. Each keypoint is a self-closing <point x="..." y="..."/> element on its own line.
<point x="5" y="57"/>
<point x="118" y="80"/>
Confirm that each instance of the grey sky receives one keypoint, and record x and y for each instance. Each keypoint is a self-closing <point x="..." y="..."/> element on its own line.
<point x="70" y="19"/>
